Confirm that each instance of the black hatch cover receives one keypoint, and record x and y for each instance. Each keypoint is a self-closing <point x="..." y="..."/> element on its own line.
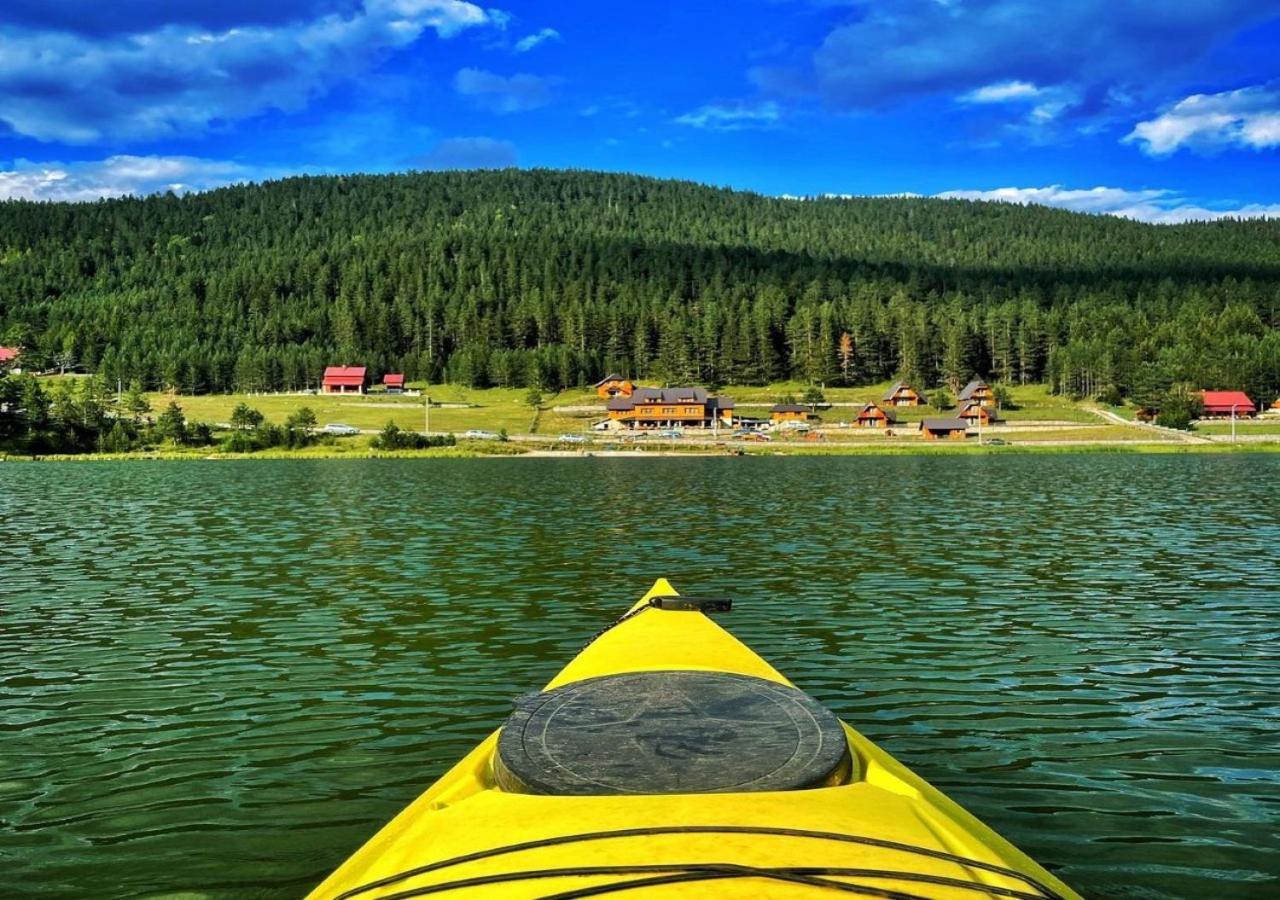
<point x="677" y="732"/>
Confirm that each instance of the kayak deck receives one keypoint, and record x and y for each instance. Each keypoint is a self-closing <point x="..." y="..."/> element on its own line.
<point x="879" y="831"/>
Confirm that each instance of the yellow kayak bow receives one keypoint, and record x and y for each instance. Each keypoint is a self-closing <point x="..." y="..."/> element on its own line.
<point x="668" y="760"/>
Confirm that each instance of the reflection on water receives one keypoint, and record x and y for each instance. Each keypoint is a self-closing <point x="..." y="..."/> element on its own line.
<point x="220" y="678"/>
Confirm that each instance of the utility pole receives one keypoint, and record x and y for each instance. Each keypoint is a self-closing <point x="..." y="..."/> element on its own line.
<point x="426" y="415"/>
<point x="1233" y="423"/>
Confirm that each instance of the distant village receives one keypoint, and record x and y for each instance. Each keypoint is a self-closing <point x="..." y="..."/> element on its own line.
<point x="630" y="407"/>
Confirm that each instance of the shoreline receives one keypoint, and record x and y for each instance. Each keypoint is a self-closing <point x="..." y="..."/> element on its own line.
<point x="1063" y="447"/>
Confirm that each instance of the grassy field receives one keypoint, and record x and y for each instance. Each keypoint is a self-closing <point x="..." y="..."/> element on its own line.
<point x="1243" y="427"/>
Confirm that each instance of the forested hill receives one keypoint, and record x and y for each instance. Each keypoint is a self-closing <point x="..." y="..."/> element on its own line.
<point x="522" y="277"/>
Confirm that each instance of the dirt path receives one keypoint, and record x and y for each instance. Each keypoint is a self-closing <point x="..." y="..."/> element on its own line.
<point x="1166" y="433"/>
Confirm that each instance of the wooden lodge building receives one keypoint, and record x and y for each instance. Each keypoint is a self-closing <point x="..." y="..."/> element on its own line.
<point x="670" y="407"/>
<point x="1219" y="404"/>
<point x="343" y="380"/>
<point x="873" y="416"/>
<point x="974" y="413"/>
<point x="393" y="382"/>
<point x="788" y="412"/>
<point x="977" y="391"/>
<point x="944" y="429"/>
<point x="611" y="386"/>
<point x="902" y="394"/>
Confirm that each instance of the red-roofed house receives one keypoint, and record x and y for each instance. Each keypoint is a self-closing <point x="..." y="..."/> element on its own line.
<point x="8" y="356"/>
<point x="343" y="380"/>
<point x="1221" y="403"/>
<point x="394" y="382"/>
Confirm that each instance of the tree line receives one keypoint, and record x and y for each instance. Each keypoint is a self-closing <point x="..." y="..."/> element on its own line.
<point x="551" y="279"/>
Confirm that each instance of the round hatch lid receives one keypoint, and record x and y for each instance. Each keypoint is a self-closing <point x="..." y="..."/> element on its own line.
<point x="676" y="732"/>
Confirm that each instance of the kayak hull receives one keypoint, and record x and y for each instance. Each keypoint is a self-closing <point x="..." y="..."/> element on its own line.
<point x="885" y="831"/>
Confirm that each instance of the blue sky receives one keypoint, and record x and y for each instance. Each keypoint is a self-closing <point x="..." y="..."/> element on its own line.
<point x="1156" y="110"/>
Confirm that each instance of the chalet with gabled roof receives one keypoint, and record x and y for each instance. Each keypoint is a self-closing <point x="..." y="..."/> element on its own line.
<point x="613" y="385"/>
<point x="393" y="382"/>
<point x="944" y="429"/>
<point x="974" y="413"/>
<point x="902" y="394"/>
<point x="873" y="416"/>
<point x="978" y="391"/>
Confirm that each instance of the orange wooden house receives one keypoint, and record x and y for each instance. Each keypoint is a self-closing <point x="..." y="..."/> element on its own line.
<point x="974" y="413"/>
<point x="944" y="429"/>
<point x="902" y="394"/>
<point x="611" y="386"/>
<point x="978" y="391"/>
<point x="872" y="416"/>
<point x="788" y="412"/>
<point x="668" y="407"/>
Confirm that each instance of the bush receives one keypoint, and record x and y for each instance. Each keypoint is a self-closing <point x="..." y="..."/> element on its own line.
<point x="1112" y="396"/>
<point x="393" y="437"/>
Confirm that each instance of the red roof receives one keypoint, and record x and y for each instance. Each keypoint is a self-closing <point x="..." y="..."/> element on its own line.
<point x="344" y="376"/>
<point x="1222" y="401"/>
<point x="393" y="379"/>
<point x="8" y="354"/>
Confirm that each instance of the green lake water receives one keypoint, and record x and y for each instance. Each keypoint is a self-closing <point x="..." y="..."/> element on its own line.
<point x="218" y="679"/>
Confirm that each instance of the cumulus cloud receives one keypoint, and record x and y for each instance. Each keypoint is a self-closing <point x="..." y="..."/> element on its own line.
<point x="1152" y="205"/>
<point x="503" y="94"/>
<point x="529" y="41"/>
<point x="179" y="78"/>
<point x="1105" y="53"/>
<point x="1248" y="118"/>
<point x="470" y="153"/>
<point x="118" y="176"/>
<point x="732" y="116"/>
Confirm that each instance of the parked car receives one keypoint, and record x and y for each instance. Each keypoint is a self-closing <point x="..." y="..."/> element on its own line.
<point x="572" y="439"/>
<point x="667" y="435"/>
<point x="752" y="436"/>
<point x="337" y="428"/>
<point x="476" y="434"/>
<point x="997" y="442"/>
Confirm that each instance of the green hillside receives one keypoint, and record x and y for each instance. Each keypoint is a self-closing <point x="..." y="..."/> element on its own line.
<point x="553" y="278"/>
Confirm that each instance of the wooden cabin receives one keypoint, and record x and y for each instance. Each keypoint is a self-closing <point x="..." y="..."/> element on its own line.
<point x="393" y="382"/>
<point x="788" y="412"/>
<point x="873" y="416"/>
<point x="977" y="391"/>
<point x="902" y="394"/>
<point x="975" y="413"/>
<point x="1219" y="404"/>
<point x="612" y="385"/>
<point x="669" y="407"/>
<point x="1276" y="405"/>
<point x="343" y="380"/>
<point x="944" y="429"/>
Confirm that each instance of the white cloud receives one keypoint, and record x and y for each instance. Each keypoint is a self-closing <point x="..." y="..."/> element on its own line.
<point x="177" y="79"/>
<point x="732" y="116"/>
<point x="1152" y="205"/>
<point x="1003" y="92"/>
<point x="529" y="41"/>
<point x="1247" y="118"/>
<point x="118" y="176"/>
<point x="503" y="94"/>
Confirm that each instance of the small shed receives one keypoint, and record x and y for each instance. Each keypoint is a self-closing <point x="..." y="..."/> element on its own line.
<point x="978" y="391"/>
<point x="343" y="380"/>
<point x="944" y="429"/>
<point x="975" y="413"/>
<point x="873" y="416"/>
<point x="393" y="382"/>
<point x="902" y="394"/>
<point x="614" y="385"/>
<point x="788" y="412"/>
<point x="1222" y="403"/>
